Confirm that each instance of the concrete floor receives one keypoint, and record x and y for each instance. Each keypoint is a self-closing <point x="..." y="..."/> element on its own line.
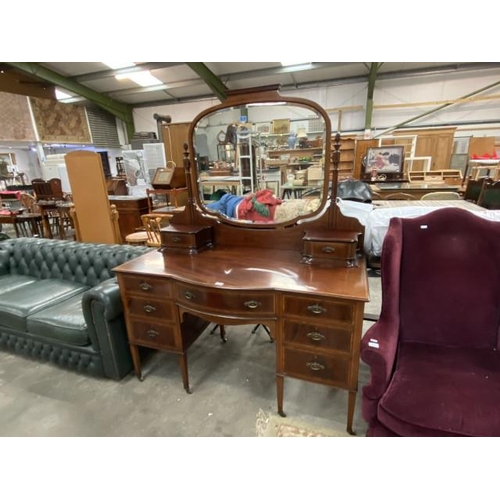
<point x="230" y="382"/>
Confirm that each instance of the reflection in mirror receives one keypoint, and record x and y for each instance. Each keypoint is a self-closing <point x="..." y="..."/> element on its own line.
<point x="261" y="162"/>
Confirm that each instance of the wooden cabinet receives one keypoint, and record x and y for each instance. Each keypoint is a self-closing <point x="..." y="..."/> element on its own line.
<point x="151" y="319"/>
<point x="347" y="156"/>
<point x="130" y="209"/>
<point x="317" y="330"/>
<point x="438" y="144"/>
<point x="362" y="146"/>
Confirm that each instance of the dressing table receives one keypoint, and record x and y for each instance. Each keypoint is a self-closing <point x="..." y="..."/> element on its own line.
<point x="295" y="277"/>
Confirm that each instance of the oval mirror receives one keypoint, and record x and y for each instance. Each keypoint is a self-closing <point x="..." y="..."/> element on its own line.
<point x="261" y="158"/>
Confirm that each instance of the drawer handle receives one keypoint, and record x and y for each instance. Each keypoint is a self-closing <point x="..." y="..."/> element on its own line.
<point x="328" y="249"/>
<point x="149" y="309"/>
<point x="176" y="239"/>
<point x="145" y="286"/>
<point x="316" y="336"/>
<point x="189" y="295"/>
<point x="315" y="366"/>
<point x="316" y="309"/>
<point x="251" y="304"/>
<point x="152" y="333"/>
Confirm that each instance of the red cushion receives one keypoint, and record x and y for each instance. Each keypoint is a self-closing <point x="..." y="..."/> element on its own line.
<point x="443" y="391"/>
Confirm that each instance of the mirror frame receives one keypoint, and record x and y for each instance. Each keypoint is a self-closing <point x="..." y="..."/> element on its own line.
<point x="267" y="94"/>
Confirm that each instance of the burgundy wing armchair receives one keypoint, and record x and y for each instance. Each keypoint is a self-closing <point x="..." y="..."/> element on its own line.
<point x="433" y="353"/>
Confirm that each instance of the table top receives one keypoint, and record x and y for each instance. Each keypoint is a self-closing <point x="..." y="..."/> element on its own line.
<point x="256" y="269"/>
<point x="377" y="204"/>
<point x="397" y="186"/>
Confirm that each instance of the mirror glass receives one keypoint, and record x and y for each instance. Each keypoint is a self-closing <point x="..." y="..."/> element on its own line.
<point x="261" y="163"/>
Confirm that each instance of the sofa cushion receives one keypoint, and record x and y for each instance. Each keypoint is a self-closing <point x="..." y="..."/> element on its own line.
<point x="21" y="302"/>
<point x="63" y="321"/>
<point x="430" y="386"/>
<point x="10" y="282"/>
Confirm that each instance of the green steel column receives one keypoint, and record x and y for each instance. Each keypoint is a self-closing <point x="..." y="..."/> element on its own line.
<point x="369" y="96"/>
<point x="218" y="88"/>
<point x="120" y="110"/>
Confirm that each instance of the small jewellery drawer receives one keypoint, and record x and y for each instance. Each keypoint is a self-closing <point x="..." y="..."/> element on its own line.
<point x="160" y="288"/>
<point x="334" y="250"/>
<point x="323" y="337"/>
<point x="152" y="334"/>
<point x="327" y="369"/>
<point x="318" y="309"/>
<point x="226" y="302"/>
<point x="158" y="309"/>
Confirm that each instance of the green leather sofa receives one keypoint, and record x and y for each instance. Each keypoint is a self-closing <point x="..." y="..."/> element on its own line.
<point x="60" y="302"/>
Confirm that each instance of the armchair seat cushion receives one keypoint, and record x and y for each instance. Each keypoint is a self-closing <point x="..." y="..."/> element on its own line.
<point x="62" y="322"/>
<point x="430" y="385"/>
<point x="18" y="304"/>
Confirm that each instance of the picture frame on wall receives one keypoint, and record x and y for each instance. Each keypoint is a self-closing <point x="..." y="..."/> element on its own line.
<point x="281" y="126"/>
<point x="385" y="160"/>
<point x="263" y="128"/>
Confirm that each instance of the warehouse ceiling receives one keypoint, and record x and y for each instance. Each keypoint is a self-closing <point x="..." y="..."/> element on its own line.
<point x="175" y="82"/>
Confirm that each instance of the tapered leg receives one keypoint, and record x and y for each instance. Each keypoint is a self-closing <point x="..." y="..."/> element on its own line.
<point x="350" y="411"/>
<point x="184" y="371"/>
<point x="136" y="359"/>
<point x="279" y="388"/>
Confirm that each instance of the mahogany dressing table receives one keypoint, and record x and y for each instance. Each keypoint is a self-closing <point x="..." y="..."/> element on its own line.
<point x="297" y="277"/>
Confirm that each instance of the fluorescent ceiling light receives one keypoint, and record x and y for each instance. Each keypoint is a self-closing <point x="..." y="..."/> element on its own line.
<point x="61" y="95"/>
<point x="142" y="78"/>
<point x="119" y="65"/>
<point x="293" y="63"/>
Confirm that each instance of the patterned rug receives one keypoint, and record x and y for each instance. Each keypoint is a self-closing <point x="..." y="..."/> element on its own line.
<point x="275" y="426"/>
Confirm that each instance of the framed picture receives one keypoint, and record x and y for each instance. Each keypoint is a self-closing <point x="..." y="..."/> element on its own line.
<point x="281" y="126"/>
<point x="385" y="162"/>
<point x="263" y="128"/>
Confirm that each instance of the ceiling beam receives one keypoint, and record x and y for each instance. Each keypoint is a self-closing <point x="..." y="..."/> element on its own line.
<point x="118" y="109"/>
<point x="216" y="85"/>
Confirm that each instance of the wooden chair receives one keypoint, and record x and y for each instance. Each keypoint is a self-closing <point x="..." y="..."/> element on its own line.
<point x="400" y="196"/>
<point x="441" y="195"/>
<point x="490" y="196"/>
<point x="149" y="233"/>
<point x="29" y="223"/>
<point x="152" y="224"/>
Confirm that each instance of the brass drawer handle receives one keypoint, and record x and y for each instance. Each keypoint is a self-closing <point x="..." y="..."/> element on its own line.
<point x="315" y="366"/>
<point x="251" y="304"/>
<point x="328" y="249"/>
<point x="145" y="286"/>
<point x="316" y="336"/>
<point x="149" y="309"/>
<point x="316" y="309"/>
<point x="152" y="333"/>
<point x="189" y="295"/>
<point x="175" y="239"/>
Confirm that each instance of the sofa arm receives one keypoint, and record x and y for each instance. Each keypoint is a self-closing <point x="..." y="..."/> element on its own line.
<point x="103" y="313"/>
<point x="378" y="351"/>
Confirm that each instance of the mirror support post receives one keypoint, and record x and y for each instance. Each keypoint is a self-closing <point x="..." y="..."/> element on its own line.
<point x="335" y="180"/>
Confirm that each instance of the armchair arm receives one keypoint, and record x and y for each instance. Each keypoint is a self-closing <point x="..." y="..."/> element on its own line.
<point x="103" y="313"/>
<point x="378" y="351"/>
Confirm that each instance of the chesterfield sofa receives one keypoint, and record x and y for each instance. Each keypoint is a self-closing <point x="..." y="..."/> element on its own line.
<point x="60" y="302"/>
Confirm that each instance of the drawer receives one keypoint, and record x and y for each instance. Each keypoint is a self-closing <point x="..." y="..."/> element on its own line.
<point x="330" y="249"/>
<point x="318" y="309"/>
<point x="228" y="302"/>
<point x="322" y="337"/>
<point x="145" y="285"/>
<point x="156" y="335"/>
<point x="157" y="309"/>
<point x="330" y="370"/>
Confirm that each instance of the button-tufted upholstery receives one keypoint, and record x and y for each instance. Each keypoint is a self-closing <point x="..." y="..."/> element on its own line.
<point x="59" y="301"/>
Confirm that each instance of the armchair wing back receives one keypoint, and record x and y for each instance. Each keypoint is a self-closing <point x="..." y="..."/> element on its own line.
<point x="433" y="354"/>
